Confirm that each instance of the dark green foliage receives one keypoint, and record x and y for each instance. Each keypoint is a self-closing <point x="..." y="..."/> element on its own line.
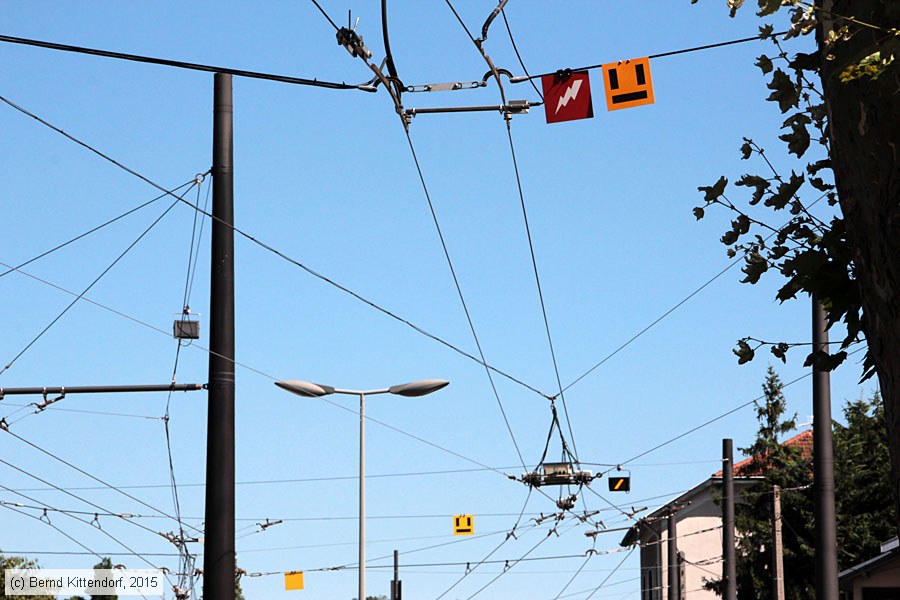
<point x="862" y="496"/>
<point x="17" y="562"/>
<point x="862" y="491"/>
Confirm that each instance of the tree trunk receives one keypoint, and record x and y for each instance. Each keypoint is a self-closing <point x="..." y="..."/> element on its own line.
<point x="864" y="133"/>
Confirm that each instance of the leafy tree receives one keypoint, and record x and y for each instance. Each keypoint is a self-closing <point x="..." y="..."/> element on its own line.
<point x="786" y="467"/>
<point x="17" y="562"/>
<point x="843" y="97"/>
<point x="105" y="563"/>
<point x="865" y="513"/>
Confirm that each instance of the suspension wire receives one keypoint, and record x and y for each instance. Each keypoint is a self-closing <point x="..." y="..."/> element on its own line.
<point x="106" y="533"/>
<point x="203" y="212"/>
<point x="22" y="512"/>
<point x="266" y="375"/>
<point x="462" y="299"/>
<point x="537" y="280"/>
<point x="512" y="41"/>
<point x="85" y="473"/>
<point x="180" y="64"/>
<point x="92" y="230"/>
<point x="461" y="22"/>
<point x="611" y="573"/>
<point x="731" y="265"/>
<point x="479" y="45"/>
<point x="506" y="569"/>
<point x="587" y="559"/>
<point x="510" y="534"/>
<point x="88" y="288"/>
<point x="325" y="14"/>
<point x="670" y="53"/>
<point x="276" y="252"/>
<point x="716" y="418"/>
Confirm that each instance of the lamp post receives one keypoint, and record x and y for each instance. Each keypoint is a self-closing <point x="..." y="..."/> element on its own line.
<point x="316" y="390"/>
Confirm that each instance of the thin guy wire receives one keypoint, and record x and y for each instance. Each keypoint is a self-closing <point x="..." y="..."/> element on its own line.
<point x="671" y="53"/>
<point x="673" y="309"/>
<point x="325" y="14"/>
<point x="179" y="64"/>
<point x="22" y="512"/>
<point x="266" y="375"/>
<point x="461" y="297"/>
<point x="537" y="280"/>
<point x="100" y="529"/>
<point x="87" y="289"/>
<point x="95" y="478"/>
<point x="519" y="56"/>
<point x="274" y="251"/>
<point x="491" y="553"/>
<point x="714" y="419"/>
<point x="517" y="561"/>
<point x="461" y="22"/>
<point x="613" y="572"/>
<point x="90" y="231"/>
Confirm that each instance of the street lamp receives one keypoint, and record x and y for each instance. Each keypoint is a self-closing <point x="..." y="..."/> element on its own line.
<point x="316" y="390"/>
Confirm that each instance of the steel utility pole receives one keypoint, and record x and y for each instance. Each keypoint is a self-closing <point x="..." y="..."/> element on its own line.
<point x="729" y="569"/>
<point x="218" y="554"/>
<point x="823" y="467"/>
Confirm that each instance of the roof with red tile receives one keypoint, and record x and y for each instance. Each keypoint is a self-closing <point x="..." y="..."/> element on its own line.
<point x="803" y="440"/>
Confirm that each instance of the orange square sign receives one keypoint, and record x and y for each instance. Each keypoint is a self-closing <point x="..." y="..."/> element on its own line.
<point x="628" y="83"/>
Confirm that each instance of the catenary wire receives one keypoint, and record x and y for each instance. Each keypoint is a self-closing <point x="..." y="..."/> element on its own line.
<point x="731" y="265"/>
<point x="88" y="288"/>
<point x="714" y="419"/>
<point x="607" y="578"/>
<point x="273" y="251"/>
<point x="510" y="534"/>
<point x="78" y="543"/>
<point x="462" y="299"/>
<point x="515" y="48"/>
<point x="86" y="474"/>
<point x="92" y="230"/>
<point x="179" y="64"/>
<point x="479" y="46"/>
<point x="670" y="53"/>
<point x="271" y="377"/>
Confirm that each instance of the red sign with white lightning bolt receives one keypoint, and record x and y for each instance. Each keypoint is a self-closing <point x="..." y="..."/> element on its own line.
<point x="567" y="96"/>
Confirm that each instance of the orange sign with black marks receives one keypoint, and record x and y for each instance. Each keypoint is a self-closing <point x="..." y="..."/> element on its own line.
<point x="463" y="525"/>
<point x="628" y="83"/>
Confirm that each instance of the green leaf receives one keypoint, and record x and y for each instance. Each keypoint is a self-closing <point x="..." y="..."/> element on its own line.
<point x="744" y="352"/>
<point x="780" y="351"/>
<point x="766" y="31"/>
<point x="729" y="237"/>
<point x="755" y="266"/>
<point x="820" y="184"/>
<point x="698" y="212"/>
<point x="777" y="252"/>
<point x="785" y="192"/>
<point x="767" y="7"/>
<point x="764" y="63"/>
<point x="784" y="91"/>
<point x="757" y="182"/>
<point x="797" y="140"/>
<point x="746" y="150"/>
<point x="712" y="193"/>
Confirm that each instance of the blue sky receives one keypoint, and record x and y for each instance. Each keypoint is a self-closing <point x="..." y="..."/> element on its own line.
<point x="326" y="177"/>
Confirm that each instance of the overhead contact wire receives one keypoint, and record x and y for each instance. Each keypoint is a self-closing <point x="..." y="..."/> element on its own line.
<point x="462" y="299"/>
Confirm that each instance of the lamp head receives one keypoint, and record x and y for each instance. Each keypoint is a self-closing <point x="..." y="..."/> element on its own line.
<point x="418" y="388"/>
<point x="305" y="388"/>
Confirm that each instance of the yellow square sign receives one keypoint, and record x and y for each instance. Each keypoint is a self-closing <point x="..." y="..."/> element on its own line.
<point x="463" y="525"/>
<point x="293" y="580"/>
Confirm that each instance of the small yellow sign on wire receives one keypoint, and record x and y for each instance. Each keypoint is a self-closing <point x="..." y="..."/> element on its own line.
<point x="293" y="580"/>
<point x="463" y="525"/>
